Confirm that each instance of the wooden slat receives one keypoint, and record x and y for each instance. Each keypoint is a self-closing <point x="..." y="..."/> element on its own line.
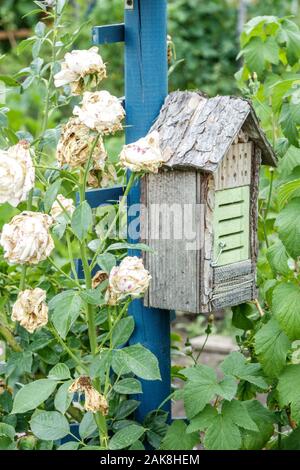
<point x="173" y="266"/>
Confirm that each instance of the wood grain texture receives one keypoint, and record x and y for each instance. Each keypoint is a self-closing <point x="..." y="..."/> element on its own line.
<point x="235" y="168"/>
<point x="197" y="132"/>
<point x="174" y="263"/>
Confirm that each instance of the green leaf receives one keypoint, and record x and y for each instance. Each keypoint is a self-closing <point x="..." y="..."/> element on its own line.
<point x="100" y="364"/>
<point x="59" y="372"/>
<point x="271" y="347"/>
<point x="140" y="361"/>
<point x="286" y="308"/>
<point x="240" y="317"/>
<point x="258" y="53"/>
<point x="200" y="389"/>
<point x="126" y="408"/>
<point x="51" y="194"/>
<point x="290" y="160"/>
<point x="93" y="296"/>
<point x="63" y="398"/>
<point x="87" y="425"/>
<point x="291" y="35"/>
<point x="222" y="434"/>
<point x="82" y="220"/>
<point x="177" y="437"/>
<point x="227" y="388"/>
<point x="238" y="413"/>
<point x="287" y="191"/>
<point x="49" y="425"/>
<point x="67" y="306"/>
<point x="292" y="441"/>
<point x="202" y="420"/>
<point x="9" y="81"/>
<point x="278" y="258"/>
<point x="126" y="436"/>
<point x="106" y="261"/>
<point x="288" y="224"/>
<point x="69" y="446"/>
<point x="32" y="395"/>
<point x="122" y="331"/>
<point x="236" y="365"/>
<point x="156" y="425"/>
<point x="128" y="386"/>
<point x="7" y="430"/>
<point x="289" y="385"/>
<point x="290" y="120"/>
<point x="264" y="420"/>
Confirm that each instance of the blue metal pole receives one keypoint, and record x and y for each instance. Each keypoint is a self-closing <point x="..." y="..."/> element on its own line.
<point x="146" y="85"/>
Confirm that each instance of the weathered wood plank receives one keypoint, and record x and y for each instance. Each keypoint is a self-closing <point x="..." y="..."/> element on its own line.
<point x="172" y="217"/>
<point x="206" y="272"/>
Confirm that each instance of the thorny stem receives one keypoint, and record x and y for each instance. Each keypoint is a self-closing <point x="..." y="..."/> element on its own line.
<point x="67" y="349"/>
<point x="92" y="331"/>
<point x="113" y="224"/>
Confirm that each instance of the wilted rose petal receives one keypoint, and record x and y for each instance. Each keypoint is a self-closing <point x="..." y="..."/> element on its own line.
<point x="17" y="173"/>
<point x="94" y="401"/>
<point x="26" y="238"/>
<point x="30" y="309"/>
<point x="61" y="206"/>
<point x="144" y="155"/>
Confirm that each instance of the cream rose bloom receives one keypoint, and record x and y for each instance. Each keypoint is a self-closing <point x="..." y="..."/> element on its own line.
<point x="59" y="208"/>
<point x="17" y="173"/>
<point x="26" y="239"/>
<point x="30" y="309"/>
<point x="100" y="111"/>
<point x="143" y="155"/>
<point x="74" y="146"/>
<point x="130" y="278"/>
<point x="77" y="65"/>
<point x="94" y="401"/>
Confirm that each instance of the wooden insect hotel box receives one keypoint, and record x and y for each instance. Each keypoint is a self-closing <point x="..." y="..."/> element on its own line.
<point x="208" y="188"/>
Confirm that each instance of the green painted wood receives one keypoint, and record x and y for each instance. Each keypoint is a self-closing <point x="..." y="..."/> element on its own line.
<point x="232" y="225"/>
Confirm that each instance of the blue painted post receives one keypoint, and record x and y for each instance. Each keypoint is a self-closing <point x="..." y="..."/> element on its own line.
<point x="145" y="89"/>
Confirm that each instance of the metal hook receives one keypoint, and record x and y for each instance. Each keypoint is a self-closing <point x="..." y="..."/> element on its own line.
<point x="222" y="246"/>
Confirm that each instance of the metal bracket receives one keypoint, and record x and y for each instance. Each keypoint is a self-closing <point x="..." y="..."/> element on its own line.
<point x="222" y="246"/>
<point x="129" y="4"/>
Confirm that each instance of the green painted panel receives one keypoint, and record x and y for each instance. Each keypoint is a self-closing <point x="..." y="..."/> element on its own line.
<point x="232" y="225"/>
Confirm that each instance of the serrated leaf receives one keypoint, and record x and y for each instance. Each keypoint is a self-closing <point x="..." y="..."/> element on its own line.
<point x="289" y="385"/>
<point x="202" y="420"/>
<point x="125" y="437"/>
<point x="106" y="261"/>
<point x="288" y="224"/>
<point x="264" y="420"/>
<point x="238" y="413"/>
<point x="140" y="361"/>
<point x="128" y="386"/>
<point x="87" y="425"/>
<point x="32" y="395"/>
<point x="67" y="306"/>
<point x="59" y="372"/>
<point x="222" y="434"/>
<point x="126" y="408"/>
<point x="278" y="258"/>
<point x="240" y="317"/>
<point x="51" y="194"/>
<point x="63" y="398"/>
<point x="82" y="220"/>
<point x="286" y="308"/>
<point x="69" y="446"/>
<point x="271" y="346"/>
<point x="49" y="425"/>
<point x="236" y="365"/>
<point x="122" y="331"/>
<point x="178" y="439"/>
<point x="258" y="53"/>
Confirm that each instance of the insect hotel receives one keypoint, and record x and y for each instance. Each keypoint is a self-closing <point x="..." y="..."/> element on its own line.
<point x="213" y="149"/>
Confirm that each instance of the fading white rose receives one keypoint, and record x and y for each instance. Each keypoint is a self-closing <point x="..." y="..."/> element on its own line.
<point x="101" y="112"/>
<point x="144" y="155"/>
<point x="30" y="309"/>
<point x="74" y="146"/>
<point x="17" y="173"/>
<point x="78" y="65"/>
<point x="129" y="279"/>
<point x="61" y="206"/>
<point x="26" y="238"/>
<point x="94" y="401"/>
